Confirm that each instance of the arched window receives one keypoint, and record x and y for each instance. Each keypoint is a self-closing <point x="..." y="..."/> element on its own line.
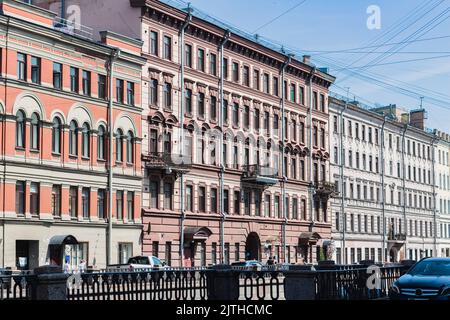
<point x="34" y="132"/>
<point x="73" y="138"/>
<point x="85" y="141"/>
<point x="130" y="147"/>
<point x="20" y="129"/>
<point x="56" y="135"/>
<point x="101" y="143"/>
<point x="119" y="145"/>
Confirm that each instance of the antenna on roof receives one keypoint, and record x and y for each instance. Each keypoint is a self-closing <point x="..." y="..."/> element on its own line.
<point x="421" y="102"/>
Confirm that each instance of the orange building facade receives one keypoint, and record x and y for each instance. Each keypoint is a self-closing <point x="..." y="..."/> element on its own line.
<point x="54" y="143"/>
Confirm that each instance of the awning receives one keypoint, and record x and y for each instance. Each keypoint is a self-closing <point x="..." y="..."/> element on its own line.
<point x="196" y="234"/>
<point x="308" y="238"/>
<point x="63" y="239"/>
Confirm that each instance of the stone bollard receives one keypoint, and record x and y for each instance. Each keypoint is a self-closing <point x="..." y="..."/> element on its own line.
<point x="300" y="283"/>
<point x="50" y="283"/>
<point x="223" y="283"/>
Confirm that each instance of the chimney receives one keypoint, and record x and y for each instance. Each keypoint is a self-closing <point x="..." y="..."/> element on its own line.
<point x="307" y="59"/>
<point x="417" y="118"/>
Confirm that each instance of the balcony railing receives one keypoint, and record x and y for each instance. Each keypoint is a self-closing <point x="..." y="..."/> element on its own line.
<point x="257" y="174"/>
<point x="396" y="236"/>
<point x="72" y="28"/>
<point x="167" y="161"/>
<point x="325" y="188"/>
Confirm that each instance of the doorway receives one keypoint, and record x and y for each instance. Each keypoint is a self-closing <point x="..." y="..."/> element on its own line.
<point x="253" y="247"/>
<point x="27" y="254"/>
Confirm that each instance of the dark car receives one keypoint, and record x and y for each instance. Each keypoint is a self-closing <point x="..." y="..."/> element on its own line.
<point x="248" y="265"/>
<point x="428" y="279"/>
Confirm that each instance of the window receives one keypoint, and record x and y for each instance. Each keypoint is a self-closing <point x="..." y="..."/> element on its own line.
<point x="277" y="207"/>
<point x="20" y="129"/>
<point x="188" y="55"/>
<point x="119" y="205"/>
<point x="236" y="115"/>
<point x="275" y="86"/>
<point x="213" y="64"/>
<point x="235" y="71"/>
<point x="56" y="200"/>
<point x="153" y="92"/>
<point x="246" y="76"/>
<point x="130" y="93"/>
<point x="21" y="67"/>
<point x="225" y="68"/>
<point x="73" y="202"/>
<point x="226" y="199"/>
<point x="293" y="93"/>
<point x="101" y="143"/>
<point x="256" y="119"/>
<point x="188" y="101"/>
<point x="20" y="197"/>
<point x="85" y="202"/>
<point x="167" y="48"/>
<point x="213" y="108"/>
<point x="119" y="91"/>
<point x="315" y="101"/>
<point x="74" y="79"/>
<point x="125" y="252"/>
<point x="315" y="136"/>
<point x="56" y="135"/>
<point x="34" y="198"/>
<point x="73" y="138"/>
<point x="101" y="86"/>
<point x="189" y="199"/>
<point x="214" y="199"/>
<point x="101" y="203"/>
<point x="201" y="105"/>
<point x="119" y="145"/>
<point x="130" y="205"/>
<point x="130" y="147"/>
<point x="86" y="83"/>
<point x="202" y="199"/>
<point x="57" y="75"/>
<point x="246" y="117"/>
<point x="154" y="194"/>
<point x="36" y="70"/>
<point x="34" y="132"/>
<point x="237" y="202"/>
<point x="302" y="95"/>
<point x="168" y="196"/>
<point x="256" y="79"/>
<point x="322" y="103"/>
<point x="266" y="83"/>
<point x="201" y="60"/>
<point x="154" y="43"/>
<point x="167" y="96"/>
<point x="85" y="141"/>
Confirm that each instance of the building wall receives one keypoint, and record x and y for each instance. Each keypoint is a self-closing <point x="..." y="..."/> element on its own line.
<point x="42" y="168"/>
<point x="164" y="223"/>
<point x="417" y="187"/>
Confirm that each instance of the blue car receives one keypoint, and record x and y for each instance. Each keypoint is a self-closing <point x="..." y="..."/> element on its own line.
<point x="428" y="279"/>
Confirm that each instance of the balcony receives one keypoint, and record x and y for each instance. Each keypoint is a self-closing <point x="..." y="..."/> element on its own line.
<point x="168" y="162"/>
<point x="72" y="28"/>
<point x="396" y="237"/>
<point x="325" y="189"/>
<point x="260" y="175"/>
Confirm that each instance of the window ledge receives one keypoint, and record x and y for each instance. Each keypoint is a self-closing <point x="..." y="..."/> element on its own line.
<point x="20" y="148"/>
<point x="56" y="154"/>
<point x="73" y="156"/>
<point x="34" y="151"/>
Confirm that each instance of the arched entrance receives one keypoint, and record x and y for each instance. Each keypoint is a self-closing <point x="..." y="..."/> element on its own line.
<point x="253" y="247"/>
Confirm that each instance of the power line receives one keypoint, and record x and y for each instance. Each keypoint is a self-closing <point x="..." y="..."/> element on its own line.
<point x="279" y="16"/>
<point x="395" y="62"/>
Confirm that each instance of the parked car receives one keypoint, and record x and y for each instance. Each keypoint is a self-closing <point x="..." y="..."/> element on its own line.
<point x="428" y="279"/>
<point x="248" y="265"/>
<point x="140" y="262"/>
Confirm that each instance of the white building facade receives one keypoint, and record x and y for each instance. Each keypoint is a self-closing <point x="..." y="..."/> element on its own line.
<point x="384" y="170"/>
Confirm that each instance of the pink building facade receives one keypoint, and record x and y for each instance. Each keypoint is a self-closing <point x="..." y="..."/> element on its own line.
<point x="235" y="151"/>
<point x="54" y="137"/>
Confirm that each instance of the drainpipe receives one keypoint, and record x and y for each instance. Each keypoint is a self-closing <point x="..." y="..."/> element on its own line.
<point x="311" y="182"/>
<point x="383" y="193"/>
<point x="283" y="167"/>
<point x="182" y="58"/>
<point x="405" y="128"/>
<point x="114" y="55"/>
<point x="225" y="39"/>
<point x="433" y="141"/>
<point x="344" y="216"/>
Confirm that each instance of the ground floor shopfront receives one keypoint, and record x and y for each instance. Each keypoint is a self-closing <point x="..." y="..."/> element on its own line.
<point x="27" y="244"/>
<point x="245" y="238"/>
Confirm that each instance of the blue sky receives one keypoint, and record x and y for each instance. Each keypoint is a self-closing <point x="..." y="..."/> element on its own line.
<point x="329" y="25"/>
